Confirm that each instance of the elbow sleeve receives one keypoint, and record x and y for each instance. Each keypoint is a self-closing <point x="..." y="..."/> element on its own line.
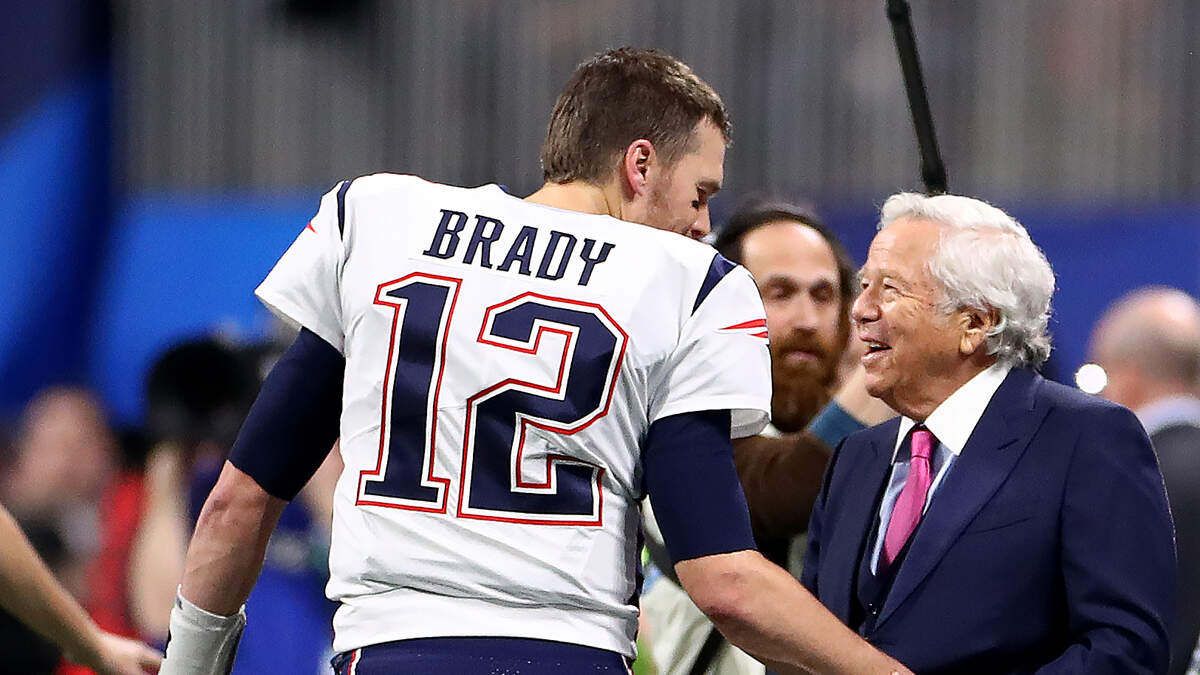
<point x="295" y="419"/>
<point x="693" y="485"/>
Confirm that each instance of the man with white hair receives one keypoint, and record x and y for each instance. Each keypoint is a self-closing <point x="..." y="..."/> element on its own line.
<point x="1004" y="523"/>
<point x="1148" y="343"/>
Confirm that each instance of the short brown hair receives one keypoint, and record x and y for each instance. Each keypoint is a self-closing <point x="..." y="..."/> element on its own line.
<point x="617" y="97"/>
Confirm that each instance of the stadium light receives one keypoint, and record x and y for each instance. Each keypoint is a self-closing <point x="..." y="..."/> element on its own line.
<point x="1091" y="378"/>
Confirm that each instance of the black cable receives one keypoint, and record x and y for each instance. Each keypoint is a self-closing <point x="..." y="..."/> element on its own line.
<point x="933" y="171"/>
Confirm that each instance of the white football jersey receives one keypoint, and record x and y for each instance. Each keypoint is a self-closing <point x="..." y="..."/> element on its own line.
<point x="504" y="361"/>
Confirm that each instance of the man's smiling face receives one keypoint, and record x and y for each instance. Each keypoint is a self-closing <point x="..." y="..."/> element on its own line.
<point x="913" y="348"/>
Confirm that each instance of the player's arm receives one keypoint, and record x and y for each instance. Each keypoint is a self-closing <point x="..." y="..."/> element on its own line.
<point x="286" y="437"/>
<point x="701" y="510"/>
<point x="31" y="593"/>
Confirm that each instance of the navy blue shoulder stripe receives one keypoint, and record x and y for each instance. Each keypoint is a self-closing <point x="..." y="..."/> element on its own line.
<point x="717" y="270"/>
<point x="341" y="197"/>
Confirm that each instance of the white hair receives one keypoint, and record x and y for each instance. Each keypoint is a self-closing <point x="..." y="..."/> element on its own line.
<point x="985" y="260"/>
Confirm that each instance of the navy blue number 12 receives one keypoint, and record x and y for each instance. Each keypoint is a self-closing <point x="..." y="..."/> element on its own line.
<point x="588" y="347"/>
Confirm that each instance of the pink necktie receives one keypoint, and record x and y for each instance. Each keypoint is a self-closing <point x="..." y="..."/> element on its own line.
<point x="907" y="511"/>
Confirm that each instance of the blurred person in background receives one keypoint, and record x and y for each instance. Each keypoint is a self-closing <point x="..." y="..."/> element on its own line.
<point x="1004" y="523"/>
<point x="197" y="394"/>
<point x="806" y="281"/>
<point x="63" y="455"/>
<point x="119" y="516"/>
<point x="31" y="593"/>
<point x="1148" y="343"/>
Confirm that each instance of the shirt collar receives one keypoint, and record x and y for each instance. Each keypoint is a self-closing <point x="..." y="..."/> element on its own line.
<point x="1168" y="412"/>
<point x="955" y="418"/>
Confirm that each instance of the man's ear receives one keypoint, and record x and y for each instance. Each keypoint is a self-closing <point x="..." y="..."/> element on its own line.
<point x="976" y="324"/>
<point x="639" y="157"/>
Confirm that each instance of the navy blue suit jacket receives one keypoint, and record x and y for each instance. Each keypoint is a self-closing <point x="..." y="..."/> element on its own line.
<point x="1048" y="548"/>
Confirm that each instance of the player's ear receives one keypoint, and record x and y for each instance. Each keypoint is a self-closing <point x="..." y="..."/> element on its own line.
<point x="635" y="165"/>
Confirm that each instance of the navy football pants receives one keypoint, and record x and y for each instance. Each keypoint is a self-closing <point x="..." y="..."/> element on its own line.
<point x="478" y="656"/>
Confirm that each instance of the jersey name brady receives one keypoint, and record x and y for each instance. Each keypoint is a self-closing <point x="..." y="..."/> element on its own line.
<point x="554" y="255"/>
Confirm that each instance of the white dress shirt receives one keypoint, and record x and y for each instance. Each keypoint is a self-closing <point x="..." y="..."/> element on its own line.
<point x="951" y="423"/>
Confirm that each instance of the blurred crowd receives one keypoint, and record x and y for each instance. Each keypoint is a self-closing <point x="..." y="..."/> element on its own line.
<point x="111" y="511"/>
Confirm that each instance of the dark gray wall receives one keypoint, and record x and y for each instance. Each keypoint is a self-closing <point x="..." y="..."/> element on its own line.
<point x="1033" y="99"/>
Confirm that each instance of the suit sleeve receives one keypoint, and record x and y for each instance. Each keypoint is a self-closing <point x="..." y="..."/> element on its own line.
<point x="304" y="287"/>
<point x="816" y="527"/>
<point x="1118" y="552"/>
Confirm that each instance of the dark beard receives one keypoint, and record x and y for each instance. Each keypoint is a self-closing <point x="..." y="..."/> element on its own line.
<point x="798" y="396"/>
<point x="799" y="392"/>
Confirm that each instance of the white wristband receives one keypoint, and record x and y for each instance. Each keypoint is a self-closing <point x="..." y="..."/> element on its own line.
<point x="200" y="642"/>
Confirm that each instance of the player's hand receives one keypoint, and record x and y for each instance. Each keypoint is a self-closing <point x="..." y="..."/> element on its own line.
<point x="115" y="655"/>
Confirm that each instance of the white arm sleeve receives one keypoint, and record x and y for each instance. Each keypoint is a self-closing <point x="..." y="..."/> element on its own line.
<point x="200" y="642"/>
<point x="722" y="361"/>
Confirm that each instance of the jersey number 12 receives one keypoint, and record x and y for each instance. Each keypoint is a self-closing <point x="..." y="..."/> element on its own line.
<point x="499" y="417"/>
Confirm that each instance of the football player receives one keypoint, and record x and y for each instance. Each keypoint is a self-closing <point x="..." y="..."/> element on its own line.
<point x="508" y="377"/>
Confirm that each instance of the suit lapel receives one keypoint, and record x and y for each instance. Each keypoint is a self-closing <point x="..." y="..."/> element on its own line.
<point x="863" y="480"/>
<point x="992" y="451"/>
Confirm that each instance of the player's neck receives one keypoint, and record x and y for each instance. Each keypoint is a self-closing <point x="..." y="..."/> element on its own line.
<point x="577" y="196"/>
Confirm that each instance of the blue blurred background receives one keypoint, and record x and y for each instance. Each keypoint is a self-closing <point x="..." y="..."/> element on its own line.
<point x="157" y="157"/>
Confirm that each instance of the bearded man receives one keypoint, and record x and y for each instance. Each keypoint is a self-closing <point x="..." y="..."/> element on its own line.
<point x="806" y="282"/>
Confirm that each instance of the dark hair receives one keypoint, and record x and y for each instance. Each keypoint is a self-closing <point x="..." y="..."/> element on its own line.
<point x="199" y="390"/>
<point x="618" y="97"/>
<point x="751" y="216"/>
